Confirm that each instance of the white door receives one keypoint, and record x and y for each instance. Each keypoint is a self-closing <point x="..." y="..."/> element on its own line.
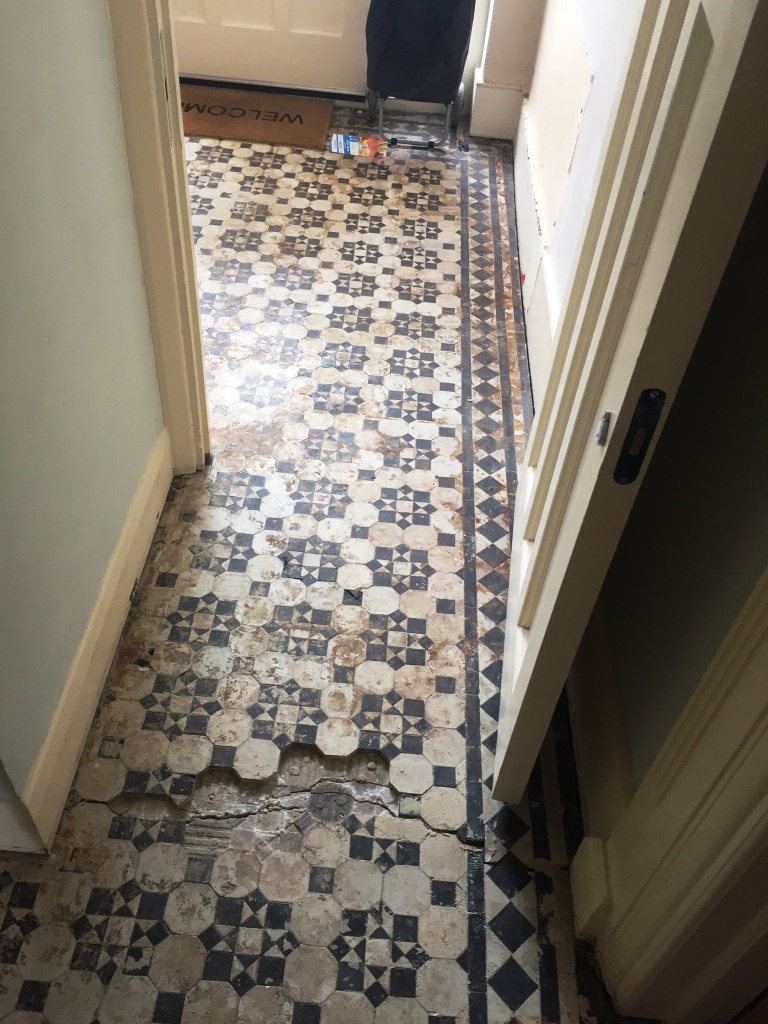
<point x="307" y="44"/>
<point x="658" y="239"/>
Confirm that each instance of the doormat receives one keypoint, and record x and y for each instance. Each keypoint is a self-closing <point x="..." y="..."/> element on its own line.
<point x="282" y="120"/>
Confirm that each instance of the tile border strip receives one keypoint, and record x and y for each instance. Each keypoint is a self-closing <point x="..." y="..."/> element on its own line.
<point x="476" y="959"/>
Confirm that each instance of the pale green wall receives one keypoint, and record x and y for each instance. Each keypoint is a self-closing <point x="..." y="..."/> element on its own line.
<point x="697" y="538"/>
<point x="79" y="404"/>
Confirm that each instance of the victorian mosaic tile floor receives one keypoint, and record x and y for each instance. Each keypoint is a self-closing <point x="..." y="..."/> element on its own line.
<point x="283" y="811"/>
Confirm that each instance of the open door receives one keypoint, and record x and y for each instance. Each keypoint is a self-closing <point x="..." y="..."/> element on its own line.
<point x="679" y="169"/>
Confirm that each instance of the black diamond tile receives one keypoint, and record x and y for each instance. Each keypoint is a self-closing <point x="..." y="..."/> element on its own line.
<point x="511" y="927"/>
<point x="376" y="993"/>
<point x="508" y="826"/>
<point x="512" y="984"/>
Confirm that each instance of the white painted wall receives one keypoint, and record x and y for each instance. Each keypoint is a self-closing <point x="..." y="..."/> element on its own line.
<point x="564" y="126"/>
<point x="559" y="92"/>
<point x="503" y="74"/>
<point x="79" y="403"/>
<point x="609" y="31"/>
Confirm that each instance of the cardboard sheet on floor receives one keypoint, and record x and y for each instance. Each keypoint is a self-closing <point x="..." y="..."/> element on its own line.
<point x="282" y="120"/>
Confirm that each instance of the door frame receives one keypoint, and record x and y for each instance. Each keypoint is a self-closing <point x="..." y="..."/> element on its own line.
<point x="142" y="40"/>
<point x="680" y="166"/>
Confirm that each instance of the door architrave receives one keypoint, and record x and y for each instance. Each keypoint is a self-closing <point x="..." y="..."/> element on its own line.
<point x="142" y="39"/>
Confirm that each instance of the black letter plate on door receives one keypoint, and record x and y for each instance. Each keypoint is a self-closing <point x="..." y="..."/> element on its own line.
<point x="641" y="430"/>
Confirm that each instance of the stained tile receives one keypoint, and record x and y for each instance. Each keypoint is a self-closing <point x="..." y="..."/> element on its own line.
<point x="358" y="884"/>
<point x="284" y="876"/>
<point x="316" y="919"/>
<point x="411" y="773"/>
<point x="100" y="779"/>
<point x="11" y="981"/>
<point x="443" y="809"/>
<point x="177" y="963"/>
<point x="161" y="866"/>
<point x="347" y="1008"/>
<point x="441" y="988"/>
<point x="406" y="890"/>
<point x="310" y="974"/>
<point x="256" y="759"/>
<point x="325" y="846"/>
<point x="235" y="874"/>
<point x="46" y="953"/>
<point x="191" y="908"/>
<point x="401" y="1011"/>
<point x="267" y="1004"/>
<point x="128" y="999"/>
<point x="73" y="998"/>
<point x="211" y="1001"/>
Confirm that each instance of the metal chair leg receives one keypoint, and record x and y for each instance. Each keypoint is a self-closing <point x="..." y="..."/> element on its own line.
<point x="416" y="144"/>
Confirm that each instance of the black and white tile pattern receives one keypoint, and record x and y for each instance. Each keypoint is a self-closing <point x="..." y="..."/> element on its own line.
<point x="283" y="811"/>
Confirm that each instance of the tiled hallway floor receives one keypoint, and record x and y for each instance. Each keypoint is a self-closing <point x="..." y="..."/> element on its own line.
<point x="281" y="812"/>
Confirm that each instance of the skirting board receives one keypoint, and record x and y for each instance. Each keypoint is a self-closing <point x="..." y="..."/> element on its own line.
<point x="17" y="830"/>
<point x="590" y="886"/>
<point x="495" y="110"/>
<point x="538" y="320"/>
<point x="48" y="784"/>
